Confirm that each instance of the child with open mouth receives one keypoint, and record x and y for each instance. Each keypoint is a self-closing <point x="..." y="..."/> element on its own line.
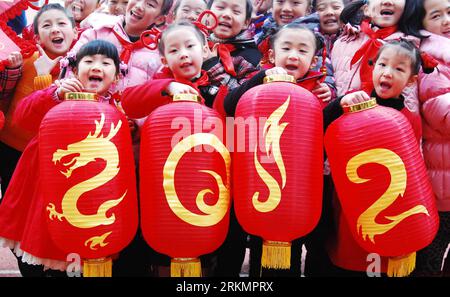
<point x="96" y="68"/>
<point x="395" y="68"/>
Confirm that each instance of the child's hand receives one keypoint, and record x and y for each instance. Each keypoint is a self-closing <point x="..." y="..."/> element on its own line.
<point x="350" y="33"/>
<point x="257" y="6"/>
<point x="211" y="53"/>
<point x="354" y="98"/>
<point x="275" y="70"/>
<point x="44" y="64"/>
<point x="15" y="60"/>
<point x="322" y="91"/>
<point x="68" y="85"/>
<point x="175" y="88"/>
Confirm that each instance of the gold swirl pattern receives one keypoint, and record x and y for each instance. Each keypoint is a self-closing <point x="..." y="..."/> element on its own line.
<point x="272" y="133"/>
<point x="366" y="223"/>
<point x="94" y="146"/>
<point x="97" y="240"/>
<point x="213" y="214"/>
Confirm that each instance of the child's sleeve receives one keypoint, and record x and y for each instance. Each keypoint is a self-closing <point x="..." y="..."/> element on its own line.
<point x="332" y="112"/>
<point x="42" y="81"/>
<point x="234" y="95"/>
<point x="329" y="79"/>
<point x="139" y="101"/>
<point x="252" y="55"/>
<point x="32" y="109"/>
<point x="436" y="112"/>
<point x="8" y="81"/>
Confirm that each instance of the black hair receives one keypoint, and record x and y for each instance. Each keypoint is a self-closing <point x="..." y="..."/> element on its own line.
<point x="410" y="22"/>
<point x="52" y="6"/>
<point x="95" y="47"/>
<point x="248" y="8"/>
<point x="408" y="48"/>
<point x="166" y="6"/>
<point x="198" y="33"/>
<point x="178" y="3"/>
<point x="319" y="42"/>
<point x="352" y="12"/>
<point x="421" y="13"/>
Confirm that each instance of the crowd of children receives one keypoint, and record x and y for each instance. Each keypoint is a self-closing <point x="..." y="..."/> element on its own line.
<point x="344" y="52"/>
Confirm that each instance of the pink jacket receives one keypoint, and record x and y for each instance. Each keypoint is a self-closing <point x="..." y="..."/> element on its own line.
<point x="143" y="62"/>
<point x="348" y="79"/>
<point x="434" y="91"/>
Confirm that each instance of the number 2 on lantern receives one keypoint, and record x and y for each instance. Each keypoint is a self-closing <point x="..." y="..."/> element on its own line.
<point x="366" y="223"/>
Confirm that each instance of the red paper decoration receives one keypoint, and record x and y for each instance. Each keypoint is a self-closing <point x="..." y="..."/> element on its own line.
<point x="2" y="120"/>
<point x="278" y="177"/>
<point x="382" y="183"/>
<point x="88" y="177"/>
<point x="184" y="183"/>
<point x="9" y="41"/>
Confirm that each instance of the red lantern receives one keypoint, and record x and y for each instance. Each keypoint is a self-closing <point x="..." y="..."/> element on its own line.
<point x="184" y="183"/>
<point x="278" y="175"/>
<point x="2" y="120"/>
<point x="382" y="183"/>
<point x="88" y="179"/>
<point x="9" y="41"/>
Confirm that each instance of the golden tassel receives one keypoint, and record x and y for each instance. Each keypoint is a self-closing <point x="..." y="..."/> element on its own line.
<point x="185" y="267"/>
<point x="101" y="267"/>
<point x="401" y="266"/>
<point x="276" y="254"/>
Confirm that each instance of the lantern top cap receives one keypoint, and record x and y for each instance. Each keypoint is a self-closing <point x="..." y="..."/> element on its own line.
<point x="361" y="106"/>
<point x="81" y="96"/>
<point x="279" y="78"/>
<point x="185" y="97"/>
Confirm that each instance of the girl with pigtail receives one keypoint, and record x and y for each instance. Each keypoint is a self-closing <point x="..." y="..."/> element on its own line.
<point x="22" y="212"/>
<point x="395" y="67"/>
<point x="55" y="34"/>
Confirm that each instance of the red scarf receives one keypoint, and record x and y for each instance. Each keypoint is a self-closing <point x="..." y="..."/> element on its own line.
<point x="128" y="47"/>
<point x="224" y="51"/>
<point x="264" y="47"/>
<point x="368" y="51"/>
<point x="310" y="80"/>
<point x="202" y="81"/>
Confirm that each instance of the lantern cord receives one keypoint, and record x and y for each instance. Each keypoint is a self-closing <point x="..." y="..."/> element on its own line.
<point x="401" y="266"/>
<point x="185" y="267"/>
<point x="276" y="254"/>
<point x="101" y="267"/>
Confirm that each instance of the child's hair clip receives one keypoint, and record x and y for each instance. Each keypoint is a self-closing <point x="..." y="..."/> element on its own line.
<point x="123" y="69"/>
<point x="203" y="22"/>
<point x="69" y="61"/>
<point x="428" y="63"/>
<point x="150" y="38"/>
